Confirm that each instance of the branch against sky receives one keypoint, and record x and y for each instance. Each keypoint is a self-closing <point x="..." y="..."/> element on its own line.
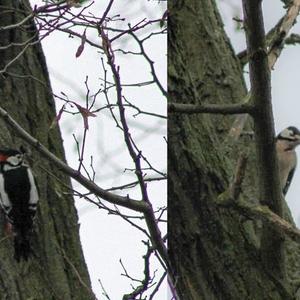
<point x="130" y="36"/>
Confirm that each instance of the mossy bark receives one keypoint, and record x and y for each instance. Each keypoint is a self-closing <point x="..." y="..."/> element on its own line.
<point x="215" y="252"/>
<point x="57" y="269"/>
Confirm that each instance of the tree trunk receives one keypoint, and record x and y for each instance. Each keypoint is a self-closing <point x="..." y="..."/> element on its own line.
<point x="57" y="269"/>
<point x="214" y="251"/>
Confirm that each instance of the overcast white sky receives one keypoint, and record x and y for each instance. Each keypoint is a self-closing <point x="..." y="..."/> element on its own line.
<point x="285" y="79"/>
<point x="106" y="238"/>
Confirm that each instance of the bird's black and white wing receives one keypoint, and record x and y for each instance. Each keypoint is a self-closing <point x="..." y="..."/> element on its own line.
<point x="4" y="199"/>
<point x="34" y="197"/>
<point x="288" y="181"/>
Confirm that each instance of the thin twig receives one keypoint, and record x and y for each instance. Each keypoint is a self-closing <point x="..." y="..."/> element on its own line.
<point x="151" y="64"/>
<point x="159" y="283"/>
<point x="105" y="13"/>
<point x="138" y="291"/>
<point x="134" y="183"/>
<point x="104" y="293"/>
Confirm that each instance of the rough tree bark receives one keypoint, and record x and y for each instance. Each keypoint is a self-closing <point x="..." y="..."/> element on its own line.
<point x="57" y="270"/>
<point x="214" y="251"/>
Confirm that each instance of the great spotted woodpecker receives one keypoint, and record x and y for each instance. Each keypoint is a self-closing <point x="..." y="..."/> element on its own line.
<point x="286" y="142"/>
<point x="18" y="198"/>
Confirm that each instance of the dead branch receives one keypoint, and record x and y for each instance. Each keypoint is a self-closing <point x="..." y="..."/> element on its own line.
<point x="263" y="213"/>
<point x="282" y="31"/>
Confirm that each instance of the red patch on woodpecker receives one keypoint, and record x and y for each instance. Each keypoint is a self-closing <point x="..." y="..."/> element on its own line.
<point x="8" y="229"/>
<point x="3" y="157"/>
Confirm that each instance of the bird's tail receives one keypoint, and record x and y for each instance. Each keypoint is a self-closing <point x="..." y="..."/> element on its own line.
<point x="22" y="245"/>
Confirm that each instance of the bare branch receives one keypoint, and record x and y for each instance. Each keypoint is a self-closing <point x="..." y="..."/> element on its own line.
<point x="151" y="63"/>
<point x="138" y="291"/>
<point x="136" y="205"/>
<point x="105" y="12"/>
<point x="283" y="30"/>
<point x="104" y="293"/>
<point x="260" y="212"/>
<point x="140" y="111"/>
<point x="134" y="183"/>
<point x="125" y="218"/>
<point x="277" y="36"/>
<point x="82" y="24"/>
<point x="158" y="286"/>
<point x="149" y="214"/>
<point x="136" y="27"/>
<point x="268" y="177"/>
<point x="210" y="108"/>
<point x="292" y="39"/>
<point x="19" y="24"/>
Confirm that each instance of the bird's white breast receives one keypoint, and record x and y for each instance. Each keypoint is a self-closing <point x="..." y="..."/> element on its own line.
<point x="34" y="198"/>
<point x="5" y="203"/>
<point x="287" y="160"/>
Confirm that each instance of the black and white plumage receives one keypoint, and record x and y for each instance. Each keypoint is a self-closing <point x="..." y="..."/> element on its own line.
<point x="286" y="142"/>
<point x="18" y="198"/>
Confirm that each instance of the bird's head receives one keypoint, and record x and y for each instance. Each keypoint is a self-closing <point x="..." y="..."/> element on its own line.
<point x="11" y="157"/>
<point x="291" y="135"/>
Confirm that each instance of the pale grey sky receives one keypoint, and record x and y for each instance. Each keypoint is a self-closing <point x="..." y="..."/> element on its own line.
<point x="107" y="238"/>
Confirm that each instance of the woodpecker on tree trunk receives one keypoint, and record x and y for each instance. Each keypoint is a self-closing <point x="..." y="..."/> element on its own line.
<point x="286" y="142"/>
<point x="18" y="198"/>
